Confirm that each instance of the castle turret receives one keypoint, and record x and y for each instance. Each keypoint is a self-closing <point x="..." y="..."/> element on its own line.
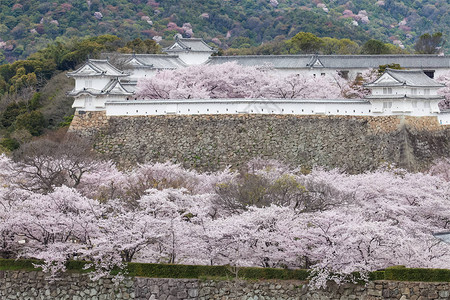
<point x="96" y="82"/>
<point x="409" y="92"/>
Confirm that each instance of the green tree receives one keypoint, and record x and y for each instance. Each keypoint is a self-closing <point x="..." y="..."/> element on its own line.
<point x="305" y="42"/>
<point x="141" y="46"/>
<point x="347" y="46"/>
<point x="383" y="68"/>
<point x="12" y="111"/>
<point x="9" y="144"/>
<point x="33" y="121"/>
<point x="375" y="47"/>
<point x="35" y="101"/>
<point x="429" y="44"/>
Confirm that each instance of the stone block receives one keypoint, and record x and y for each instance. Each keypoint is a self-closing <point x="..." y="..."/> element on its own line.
<point x="444" y="294"/>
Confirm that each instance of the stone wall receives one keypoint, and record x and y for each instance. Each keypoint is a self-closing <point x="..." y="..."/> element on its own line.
<point x="212" y="142"/>
<point x="18" y="285"/>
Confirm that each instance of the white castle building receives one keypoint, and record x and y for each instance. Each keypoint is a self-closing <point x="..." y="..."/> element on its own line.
<point x="100" y="86"/>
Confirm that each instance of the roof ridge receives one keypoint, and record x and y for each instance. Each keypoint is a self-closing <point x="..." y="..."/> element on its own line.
<point x="404" y="70"/>
<point x="182" y="44"/>
<point x="269" y="56"/>
<point x="116" y="69"/>
<point x="109" y="85"/>
<point x="192" y="39"/>
<point x="91" y="64"/>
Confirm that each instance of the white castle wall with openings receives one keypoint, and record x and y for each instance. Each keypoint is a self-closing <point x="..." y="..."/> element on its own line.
<point x="238" y="106"/>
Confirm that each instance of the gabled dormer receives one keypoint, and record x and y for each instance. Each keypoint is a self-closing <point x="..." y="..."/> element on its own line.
<point x="115" y="87"/>
<point x="191" y="51"/>
<point x="97" y="67"/>
<point x="315" y="62"/>
<point x="135" y="62"/>
<point x="190" y="45"/>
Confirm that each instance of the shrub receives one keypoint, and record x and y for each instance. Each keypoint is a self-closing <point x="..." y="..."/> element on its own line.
<point x="417" y="274"/>
<point x="10" y="144"/>
<point x="33" y="121"/>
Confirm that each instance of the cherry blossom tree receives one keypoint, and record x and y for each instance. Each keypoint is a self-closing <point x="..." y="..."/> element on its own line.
<point x="228" y="80"/>
<point x="356" y="88"/>
<point x="43" y="164"/>
<point x="268" y="214"/>
<point x="441" y="168"/>
<point x="445" y="91"/>
<point x="301" y="87"/>
<point x="231" y="80"/>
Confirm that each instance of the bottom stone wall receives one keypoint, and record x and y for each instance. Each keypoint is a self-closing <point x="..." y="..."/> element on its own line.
<point x="18" y="285"/>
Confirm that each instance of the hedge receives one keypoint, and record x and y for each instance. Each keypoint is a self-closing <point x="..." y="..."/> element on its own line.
<point x="191" y="271"/>
<point x="21" y="264"/>
<point x="398" y="273"/>
<point x="173" y="271"/>
<point x="417" y="274"/>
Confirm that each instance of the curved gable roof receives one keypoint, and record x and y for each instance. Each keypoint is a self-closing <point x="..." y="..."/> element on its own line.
<point x="392" y="77"/>
<point x="97" y="67"/>
<point x="191" y="44"/>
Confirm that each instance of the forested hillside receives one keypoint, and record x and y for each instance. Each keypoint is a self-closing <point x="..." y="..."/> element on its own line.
<point x="33" y="91"/>
<point x="29" y="25"/>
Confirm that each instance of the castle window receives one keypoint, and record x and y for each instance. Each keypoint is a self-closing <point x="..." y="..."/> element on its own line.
<point x="343" y="74"/>
<point x="387" y="105"/>
<point x="88" y="83"/>
<point x="322" y="74"/>
<point x="387" y="91"/>
<point x="414" y="104"/>
<point x="429" y="73"/>
<point x="426" y="91"/>
<point x="413" y="91"/>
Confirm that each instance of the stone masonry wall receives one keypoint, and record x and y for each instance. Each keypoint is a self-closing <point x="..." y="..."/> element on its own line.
<point x="18" y="285"/>
<point x="212" y="142"/>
